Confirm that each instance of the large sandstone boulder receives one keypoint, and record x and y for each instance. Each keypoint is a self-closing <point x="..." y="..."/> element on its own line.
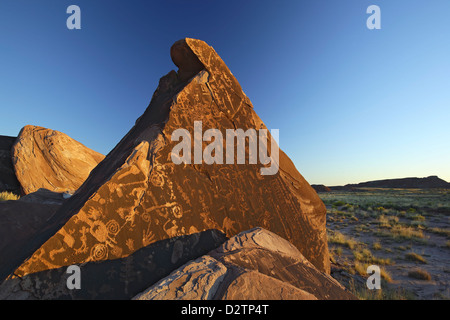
<point x="49" y="159"/>
<point x="253" y="265"/>
<point x="8" y="180"/>
<point x="137" y="196"/>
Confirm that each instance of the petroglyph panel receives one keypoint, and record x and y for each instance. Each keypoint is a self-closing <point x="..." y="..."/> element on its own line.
<point x="138" y="196"/>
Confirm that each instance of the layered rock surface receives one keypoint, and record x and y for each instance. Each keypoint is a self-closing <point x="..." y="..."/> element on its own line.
<point x="45" y="158"/>
<point x="137" y="197"/>
<point x="253" y="265"/>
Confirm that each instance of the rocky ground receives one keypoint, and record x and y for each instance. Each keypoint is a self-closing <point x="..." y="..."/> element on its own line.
<point x="406" y="232"/>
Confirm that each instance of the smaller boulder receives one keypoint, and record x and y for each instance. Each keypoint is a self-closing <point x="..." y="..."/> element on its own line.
<point x="44" y="158"/>
<point x="253" y="265"/>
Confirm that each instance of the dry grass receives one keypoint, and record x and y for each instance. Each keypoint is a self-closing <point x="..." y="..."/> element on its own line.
<point x="404" y="232"/>
<point x="361" y="269"/>
<point x="387" y="221"/>
<point x="5" y="196"/>
<point x="440" y="231"/>
<point x="366" y="256"/>
<point x="403" y="227"/>
<point x="412" y="256"/>
<point x="376" y="246"/>
<point x="338" y="238"/>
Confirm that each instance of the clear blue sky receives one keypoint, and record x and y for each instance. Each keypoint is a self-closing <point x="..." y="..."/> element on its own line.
<point x="351" y="104"/>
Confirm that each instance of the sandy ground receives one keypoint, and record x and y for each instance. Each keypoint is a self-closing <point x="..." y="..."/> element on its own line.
<point x="364" y="227"/>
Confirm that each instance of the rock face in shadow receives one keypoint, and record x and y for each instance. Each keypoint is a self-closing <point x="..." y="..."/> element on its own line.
<point x="253" y="265"/>
<point x="138" y="196"/>
<point x="20" y="222"/>
<point x="44" y="196"/>
<point x="8" y="180"/>
<point x="45" y="158"/>
<point x="114" y="279"/>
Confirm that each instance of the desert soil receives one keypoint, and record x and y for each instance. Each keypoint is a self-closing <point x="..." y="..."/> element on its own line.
<point x="401" y="230"/>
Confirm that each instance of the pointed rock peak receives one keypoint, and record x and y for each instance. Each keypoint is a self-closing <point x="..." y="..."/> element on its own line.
<point x="187" y="62"/>
<point x="139" y="196"/>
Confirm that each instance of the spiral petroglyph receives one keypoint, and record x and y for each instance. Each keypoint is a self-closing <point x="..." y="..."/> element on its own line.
<point x="113" y="227"/>
<point x="99" y="252"/>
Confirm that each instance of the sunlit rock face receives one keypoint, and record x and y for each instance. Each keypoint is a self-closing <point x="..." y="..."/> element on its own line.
<point x="137" y="196"/>
<point x="45" y="158"/>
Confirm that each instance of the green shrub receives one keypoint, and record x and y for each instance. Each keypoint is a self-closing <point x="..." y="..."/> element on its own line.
<point x="339" y="203"/>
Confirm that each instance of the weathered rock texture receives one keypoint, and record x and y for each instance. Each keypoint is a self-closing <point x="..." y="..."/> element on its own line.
<point x="137" y="196"/>
<point x="49" y="159"/>
<point x="253" y="265"/>
<point x="8" y="180"/>
<point x="115" y="279"/>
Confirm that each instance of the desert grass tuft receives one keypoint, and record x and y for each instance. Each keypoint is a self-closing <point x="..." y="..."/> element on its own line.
<point x="5" y="196"/>
<point x="412" y="256"/>
<point x="419" y="274"/>
<point x="366" y="256"/>
<point x="376" y="245"/>
<point x="440" y="231"/>
<point x="361" y="269"/>
<point x="338" y="238"/>
<point x="403" y="233"/>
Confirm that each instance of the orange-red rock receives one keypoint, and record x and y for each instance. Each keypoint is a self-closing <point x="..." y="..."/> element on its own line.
<point x="45" y="158"/>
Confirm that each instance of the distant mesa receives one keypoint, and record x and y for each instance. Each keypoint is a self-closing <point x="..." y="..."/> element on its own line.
<point x="139" y="216"/>
<point x="320" y="188"/>
<point x="45" y="158"/>
<point x="403" y="183"/>
<point x="343" y="188"/>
